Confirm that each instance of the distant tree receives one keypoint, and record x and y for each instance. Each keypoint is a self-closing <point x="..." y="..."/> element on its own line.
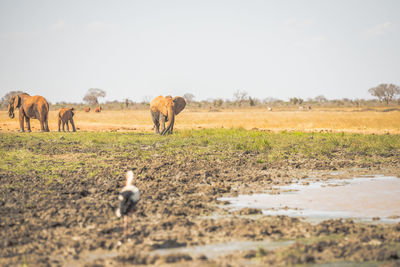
<point x="295" y="100"/>
<point x="146" y="99"/>
<point x="321" y="99"/>
<point x="92" y="96"/>
<point x="271" y="100"/>
<point x="127" y="102"/>
<point x="189" y="97"/>
<point x="357" y="102"/>
<point x="218" y="102"/>
<point x="385" y="92"/>
<point x="208" y="102"/>
<point x="252" y="101"/>
<point x="6" y="97"/>
<point x="240" y="97"/>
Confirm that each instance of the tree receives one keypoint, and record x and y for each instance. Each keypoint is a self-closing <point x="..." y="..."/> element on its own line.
<point x="240" y="97"/>
<point x="253" y="101"/>
<point x="385" y="92"/>
<point x="269" y="100"/>
<point x="189" y="97"/>
<point x="6" y="97"/>
<point x="128" y="102"/>
<point x="295" y="100"/>
<point x="321" y="99"/>
<point x="92" y="96"/>
<point x="146" y="99"/>
<point x="218" y="102"/>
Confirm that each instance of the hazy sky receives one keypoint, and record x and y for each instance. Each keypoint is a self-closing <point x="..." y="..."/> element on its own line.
<point x="134" y="49"/>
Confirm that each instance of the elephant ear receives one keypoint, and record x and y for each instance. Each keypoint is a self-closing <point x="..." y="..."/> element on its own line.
<point x="179" y="103"/>
<point x="17" y="101"/>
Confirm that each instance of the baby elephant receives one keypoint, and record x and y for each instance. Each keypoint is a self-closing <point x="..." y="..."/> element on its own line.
<point x="65" y="115"/>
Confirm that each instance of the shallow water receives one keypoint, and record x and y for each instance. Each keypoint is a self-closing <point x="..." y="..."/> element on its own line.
<point x="220" y="249"/>
<point x="359" y="198"/>
<point x="84" y="258"/>
<point x="347" y="264"/>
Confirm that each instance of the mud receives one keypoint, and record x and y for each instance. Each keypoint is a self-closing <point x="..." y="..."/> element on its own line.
<point x="72" y="222"/>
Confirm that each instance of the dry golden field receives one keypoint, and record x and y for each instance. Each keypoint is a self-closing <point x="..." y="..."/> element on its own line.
<point x="361" y="120"/>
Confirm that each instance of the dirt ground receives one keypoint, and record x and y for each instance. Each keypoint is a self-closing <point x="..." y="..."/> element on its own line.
<point x="71" y="222"/>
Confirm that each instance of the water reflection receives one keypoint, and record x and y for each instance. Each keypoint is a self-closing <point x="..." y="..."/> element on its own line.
<point x="363" y="198"/>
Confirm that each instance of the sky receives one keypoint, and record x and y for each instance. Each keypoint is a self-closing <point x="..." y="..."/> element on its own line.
<point x="210" y="48"/>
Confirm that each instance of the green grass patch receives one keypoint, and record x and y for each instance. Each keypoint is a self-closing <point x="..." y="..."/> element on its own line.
<point x="49" y="154"/>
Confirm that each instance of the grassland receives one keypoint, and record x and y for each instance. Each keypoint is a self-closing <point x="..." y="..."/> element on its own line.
<point x="355" y="120"/>
<point x="58" y="192"/>
<point x="36" y="152"/>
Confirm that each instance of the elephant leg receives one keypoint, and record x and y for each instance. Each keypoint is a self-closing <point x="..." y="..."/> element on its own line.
<point x="67" y="125"/>
<point x="162" y="117"/>
<point x="42" y="125"/>
<point x="155" y="118"/>
<point x="21" y="122"/>
<point x="63" y="123"/>
<point x="59" y="124"/>
<point x="157" y="127"/>
<point x="73" y="125"/>
<point x="28" y="123"/>
<point x="46" y="125"/>
<point x="46" y="122"/>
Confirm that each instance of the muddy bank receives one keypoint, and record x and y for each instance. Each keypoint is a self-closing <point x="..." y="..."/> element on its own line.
<point x="69" y="219"/>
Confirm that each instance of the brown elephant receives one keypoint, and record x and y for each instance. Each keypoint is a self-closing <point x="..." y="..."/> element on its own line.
<point x="165" y="109"/>
<point x="65" y="115"/>
<point x="30" y="107"/>
<point x="98" y="109"/>
<point x="87" y="109"/>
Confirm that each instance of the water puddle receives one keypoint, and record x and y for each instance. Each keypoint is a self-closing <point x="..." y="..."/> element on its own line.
<point x="84" y="258"/>
<point x="347" y="264"/>
<point x="366" y="199"/>
<point x="220" y="249"/>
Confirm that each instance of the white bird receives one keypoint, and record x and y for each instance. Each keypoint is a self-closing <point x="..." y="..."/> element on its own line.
<point x="128" y="198"/>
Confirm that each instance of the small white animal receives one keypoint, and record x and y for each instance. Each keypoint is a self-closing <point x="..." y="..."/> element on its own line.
<point x="128" y="198"/>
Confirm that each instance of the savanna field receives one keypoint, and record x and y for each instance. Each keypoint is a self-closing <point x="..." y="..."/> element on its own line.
<point x="59" y="191"/>
<point x="358" y="120"/>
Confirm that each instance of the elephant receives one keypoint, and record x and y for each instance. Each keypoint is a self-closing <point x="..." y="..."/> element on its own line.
<point x="65" y="115"/>
<point x="98" y="109"/>
<point x="87" y="109"/>
<point x="30" y="107"/>
<point x="165" y="109"/>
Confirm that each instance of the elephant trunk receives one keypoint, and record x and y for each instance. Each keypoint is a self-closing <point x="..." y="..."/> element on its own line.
<point x="170" y="124"/>
<point x="11" y="111"/>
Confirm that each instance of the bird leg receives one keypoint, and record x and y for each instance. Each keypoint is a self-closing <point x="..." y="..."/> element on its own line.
<point x="125" y="225"/>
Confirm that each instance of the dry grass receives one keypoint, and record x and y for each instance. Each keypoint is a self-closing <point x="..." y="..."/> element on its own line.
<point x="363" y="120"/>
